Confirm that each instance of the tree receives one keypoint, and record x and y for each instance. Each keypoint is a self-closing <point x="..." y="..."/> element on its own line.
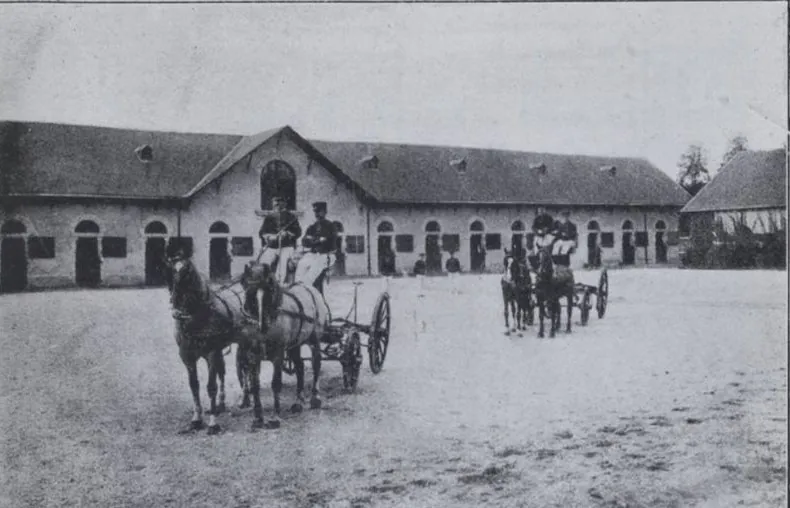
<point x="737" y="144"/>
<point x="692" y="174"/>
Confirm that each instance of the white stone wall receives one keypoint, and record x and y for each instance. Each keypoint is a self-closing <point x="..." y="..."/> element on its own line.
<point x="59" y="221"/>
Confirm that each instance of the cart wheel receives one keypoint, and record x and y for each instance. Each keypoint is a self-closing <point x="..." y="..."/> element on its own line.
<point x="585" y="307"/>
<point x="379" y="333"/>
<point x="351" y="361"/>
<point x="602" y="294"/>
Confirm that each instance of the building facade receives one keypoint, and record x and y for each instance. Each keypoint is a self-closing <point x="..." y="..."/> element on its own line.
<point x="90" y="206"/>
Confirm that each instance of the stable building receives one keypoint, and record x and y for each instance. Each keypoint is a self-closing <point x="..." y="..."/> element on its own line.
<point x="94" y="206"/>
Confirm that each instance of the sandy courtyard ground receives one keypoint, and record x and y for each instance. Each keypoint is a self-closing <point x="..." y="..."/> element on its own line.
<point x="676" y="398"/>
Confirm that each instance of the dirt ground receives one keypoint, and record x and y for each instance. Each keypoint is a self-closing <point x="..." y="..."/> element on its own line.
<point x="676" y="398"/>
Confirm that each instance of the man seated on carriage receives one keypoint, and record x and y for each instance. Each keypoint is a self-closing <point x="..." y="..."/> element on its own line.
<point x="278" y="234"/>
<point x="566" y="240"/>
<point x="320" y="240"/>
<point x="544" y="228"/>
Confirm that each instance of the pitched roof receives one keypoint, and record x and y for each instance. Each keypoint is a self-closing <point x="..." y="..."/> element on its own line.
<point x="398" y="173"/>
<point x="71" y="160"/>
<point x="753" y="179"/>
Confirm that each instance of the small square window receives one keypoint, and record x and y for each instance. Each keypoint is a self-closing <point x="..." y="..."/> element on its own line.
<point x="493" y="241"/>
<point x="404" y="243"/>
<point x="113" y="247"/>
<point x="41" y="247"/>
<point x="451" y="243"/>
<point x="242" y="246"/>
<point x="641" y="239"/>
<point x="355" y="244"/>
<point x="607" y="240"/>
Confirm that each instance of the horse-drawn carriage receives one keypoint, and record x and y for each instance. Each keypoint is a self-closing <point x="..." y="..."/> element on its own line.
<point x="540" y="284"/>
<point x="268" y="321"/>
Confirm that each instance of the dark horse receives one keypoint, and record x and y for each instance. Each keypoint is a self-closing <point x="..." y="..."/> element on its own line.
<point x="204" y="326"/>
<point x="553" y="282"/>
<point x="287" y="319"/>
<point x="516" y="294"/>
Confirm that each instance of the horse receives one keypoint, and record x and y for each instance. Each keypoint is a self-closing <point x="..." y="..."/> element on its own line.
<point x="553" y="282"/>
<point x="205" y="324"/>
<point x="516" y="294"/>
<point x="287" y="318"/>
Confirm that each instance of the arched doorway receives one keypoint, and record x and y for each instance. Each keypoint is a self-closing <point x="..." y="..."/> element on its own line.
<point x="340" y="256"/>
<point x="661" y="244"/>
<point x="87" y="258"/>
<point x="517" y="239"/>
<point x="218" y="254"/>
<point x="386" y="252"/>
<point x="629" y="251"/>
<point x="156" y="270"/>
<point x="13" y="259"/>
<point x="433" y="251"/>
<point x="477" y="252"/>
<point x="593" y="251"/>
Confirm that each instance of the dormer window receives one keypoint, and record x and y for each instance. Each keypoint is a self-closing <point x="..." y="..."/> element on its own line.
<point x="609" y="169"/>
<point x="459" y="165"/>
<point x="540" y="167"/>
<point x="145" y="153"/>
<point x="369" y="162"/>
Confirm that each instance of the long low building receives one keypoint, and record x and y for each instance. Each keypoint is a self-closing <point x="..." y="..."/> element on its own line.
<point x="94" y="206"/>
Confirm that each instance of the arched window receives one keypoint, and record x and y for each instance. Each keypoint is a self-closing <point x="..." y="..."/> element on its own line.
<point x="628" y="225"/>
<point x="477" y="226"/>
<point x="661" y="225"/>
<point x="593" y="226"/>
<point x="385" y="227"/>
<point x="87" y="226"/>
<point x="338" y="227"/>
<point x="12" y="227"/>
<point x="517" y="226"/>
<point x="219" y="227"/>
<point x="278" y="178"/>
<point x="432" y="227"/>
<point x="156" y="228"/>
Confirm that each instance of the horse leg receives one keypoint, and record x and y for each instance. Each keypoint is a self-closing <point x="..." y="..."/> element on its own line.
<point x="221" y="374"/>
<point x="554" y="311"/>
<point x="315" y="401"/>
<point x="254" y="385"/>
<point x="295" y="354"/>
<point x="242" y="373"/>
<point x="569" y="299"/>
<point x="194" y="385"/>
<point x="213" y="360"/>
<point x="507" y="318"/>
<point x="541" y="314"/>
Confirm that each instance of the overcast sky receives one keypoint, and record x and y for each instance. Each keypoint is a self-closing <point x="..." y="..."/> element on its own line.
<point x="638" y="79"/>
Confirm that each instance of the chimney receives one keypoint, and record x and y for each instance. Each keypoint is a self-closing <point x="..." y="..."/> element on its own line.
<point x="145" y="153"/>
<point x="609" y="169"/>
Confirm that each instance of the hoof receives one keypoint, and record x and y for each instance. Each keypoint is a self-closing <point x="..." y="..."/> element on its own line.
<point x="272" y="424"/>
<point x="256" y="424"/>
<point x="196" y="425"/>
<point x="296" y="408"/>
<point x="507" y="332"/>
<point x="244" y="404"/>
<point x="213" y="430"/>
<point x="315" y="403"/>
<point x="221" y="408"/>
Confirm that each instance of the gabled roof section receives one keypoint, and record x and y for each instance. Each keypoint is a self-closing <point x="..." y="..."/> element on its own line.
<point x="430" y="174"/>
<point x="42" y="159"/>
<point x="751" y="180"/>
<point x="248" y="144"/>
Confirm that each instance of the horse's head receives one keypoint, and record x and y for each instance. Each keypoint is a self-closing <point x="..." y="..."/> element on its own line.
<point x="259" y="279"/>
<point x="187" y="290"/>
<point x="545" y="264"/>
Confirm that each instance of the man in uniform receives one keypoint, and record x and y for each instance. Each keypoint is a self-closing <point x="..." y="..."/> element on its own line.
<point x="278" y="234"/>
<point x="567" y="238"/>
<point x="542" y="227"/>
<point x="320" y="240"/>
<point x="453" y="267"/>
<point x="419" y="266"/>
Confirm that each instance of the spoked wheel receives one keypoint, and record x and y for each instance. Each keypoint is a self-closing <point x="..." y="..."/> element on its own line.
<point x="585" y="307"/>
<point x="602" y="295"/>
<point x="379" y="333"/>
<point x="351" y="361"/>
